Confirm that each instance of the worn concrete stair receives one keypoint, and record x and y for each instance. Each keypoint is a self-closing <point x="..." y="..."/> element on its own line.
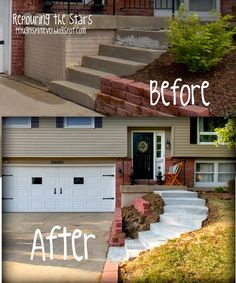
<point x="83" y="82"/>
<point x="154" y="39"/>
<point x="177" y="219"/>
<point x="86" y="76"/>
<point x="135" y="54"/>
<point x="120" y="67"/>
<point x="81" y="94"/>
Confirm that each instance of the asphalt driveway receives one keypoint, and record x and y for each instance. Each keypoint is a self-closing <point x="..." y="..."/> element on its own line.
<point x="18" y="235"/>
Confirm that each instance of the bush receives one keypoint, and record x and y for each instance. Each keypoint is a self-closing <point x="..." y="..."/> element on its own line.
<point x="200" y="46"/>
<point x="219" y="190"/>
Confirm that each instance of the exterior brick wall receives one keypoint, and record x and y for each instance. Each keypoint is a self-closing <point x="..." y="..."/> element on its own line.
<point x="228" y="7"/>
<point x="120" y="8"/>
<point x="123" y="171"/>
<point x="122" y="97"/>
<point x="21" y="7"/>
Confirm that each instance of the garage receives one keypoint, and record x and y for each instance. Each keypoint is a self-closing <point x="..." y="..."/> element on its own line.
<point x="58" y="188"/>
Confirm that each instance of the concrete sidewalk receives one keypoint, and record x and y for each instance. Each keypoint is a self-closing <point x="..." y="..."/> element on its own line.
<point x="19" y="99"/>
<point x="18" y="234"/>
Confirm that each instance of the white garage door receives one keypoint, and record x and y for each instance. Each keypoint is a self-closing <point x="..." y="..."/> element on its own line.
<point x="58" y="189"/>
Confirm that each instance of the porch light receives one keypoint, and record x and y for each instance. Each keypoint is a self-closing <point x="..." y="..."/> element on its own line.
<point x="168" y="144"/>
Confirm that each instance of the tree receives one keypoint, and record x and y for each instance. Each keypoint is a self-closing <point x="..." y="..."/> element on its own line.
<point x="227" y="134"/>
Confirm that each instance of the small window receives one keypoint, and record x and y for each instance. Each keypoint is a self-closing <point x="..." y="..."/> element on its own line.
<point x="37" y="180"/>
<point x="79" y="122"/>
<point x="17" y="122"/>
<point x="214" y="173"/>
<point x="78" y="180"/>
<point x="206" y="127"/>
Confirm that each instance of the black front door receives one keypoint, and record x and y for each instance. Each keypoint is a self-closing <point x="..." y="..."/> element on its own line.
<point x="143" y="155"/>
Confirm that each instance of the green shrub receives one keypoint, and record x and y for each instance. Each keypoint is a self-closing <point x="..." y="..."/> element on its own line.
<point x="219" y="190"/>
<point x="200" y="46"/>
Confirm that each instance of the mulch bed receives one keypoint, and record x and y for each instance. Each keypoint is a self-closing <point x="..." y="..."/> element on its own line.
<point x="221" y="92"/>
<point x="134" y="221"/>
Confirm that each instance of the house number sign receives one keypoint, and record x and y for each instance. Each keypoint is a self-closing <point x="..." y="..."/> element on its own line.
<point x="57" y="162"/>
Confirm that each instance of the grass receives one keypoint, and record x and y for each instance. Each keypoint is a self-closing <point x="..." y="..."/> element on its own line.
<point x="203" y="256"/>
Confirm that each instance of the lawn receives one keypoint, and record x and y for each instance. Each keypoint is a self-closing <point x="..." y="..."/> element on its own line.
<point x="206" y="255"/>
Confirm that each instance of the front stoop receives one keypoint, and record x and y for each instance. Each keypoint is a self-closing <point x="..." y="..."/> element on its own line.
<point x="183" y="212"/>
<point x="119" y="59"/>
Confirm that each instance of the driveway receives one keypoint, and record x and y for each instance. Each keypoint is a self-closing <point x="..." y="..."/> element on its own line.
<point x="20" y="99"/>
<point x="18" y="235"/>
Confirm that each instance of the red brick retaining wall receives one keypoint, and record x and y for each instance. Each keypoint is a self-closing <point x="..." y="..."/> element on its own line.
<point x="117" y="237"/>
<point x="142" y="206"/>
<point x="122" y="97"/>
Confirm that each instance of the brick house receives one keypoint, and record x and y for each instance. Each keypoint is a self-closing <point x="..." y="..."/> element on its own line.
<point x="12" y="46"/>
<point x="80" y="164"/>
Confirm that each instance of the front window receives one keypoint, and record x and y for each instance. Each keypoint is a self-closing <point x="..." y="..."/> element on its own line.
<point x="202" y="5"/>
<point x="214" y="173"/>
<point x="206" y="127"/>
<point x="167" y="4"/>
<point x="17" y="122"/>
<point x="79" y="122"/>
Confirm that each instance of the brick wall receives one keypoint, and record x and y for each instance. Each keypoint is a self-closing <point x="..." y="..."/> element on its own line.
<point x="123" y="171"/>
<point x="121" y="8"/>
<point x="142" y="206"/>
<point x="228" y="7"/>
<point x="187" y="174"/>
<point x="121" y="97"/>
<point x="21" y="7"/>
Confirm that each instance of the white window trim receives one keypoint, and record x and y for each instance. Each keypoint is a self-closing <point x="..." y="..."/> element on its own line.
<point x="28" y="126"/>
<point x="91" y="126"/>
<point x="203" y="134"/>
<point x="215" y="183"/>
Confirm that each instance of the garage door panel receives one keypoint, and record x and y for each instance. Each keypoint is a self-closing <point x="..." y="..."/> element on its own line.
<point x="78" y="205"/>
<point x="64" y="205"/>
<point x="44" y="192"/>
<point x="77" y="193"/>
<point x="37" y="193"/>
<point x="92" y="205"/>
<point x="107" y="205"/>
<point x="37" y="206"/>
<point x="23" y="206"/>
<point x="24" y="181"/>
<point x="9" y="205"/>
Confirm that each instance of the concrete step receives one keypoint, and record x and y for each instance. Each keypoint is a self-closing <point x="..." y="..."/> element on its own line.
<point x="142" y="38"/>
<point x="137" y="54"/>
<point x="191" y="220"/>
<point x="151" y="240"/>
<point x="117" y="254"/>
<point x="188" y="209"/>
<point x="78" y="93"/>
<point x="112" y="65"/>
<point x="86" y="76"/>
<point x="184" y="201"/>
<point x="133" y="248"/>
<point x="168" y="230"/>
<point x="177" y="194"/>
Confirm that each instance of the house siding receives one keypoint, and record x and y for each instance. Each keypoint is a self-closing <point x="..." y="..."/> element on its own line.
<point x="112" y="140"/>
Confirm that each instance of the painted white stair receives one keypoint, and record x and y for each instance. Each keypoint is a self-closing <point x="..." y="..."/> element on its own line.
<point x="183" y="212"/>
